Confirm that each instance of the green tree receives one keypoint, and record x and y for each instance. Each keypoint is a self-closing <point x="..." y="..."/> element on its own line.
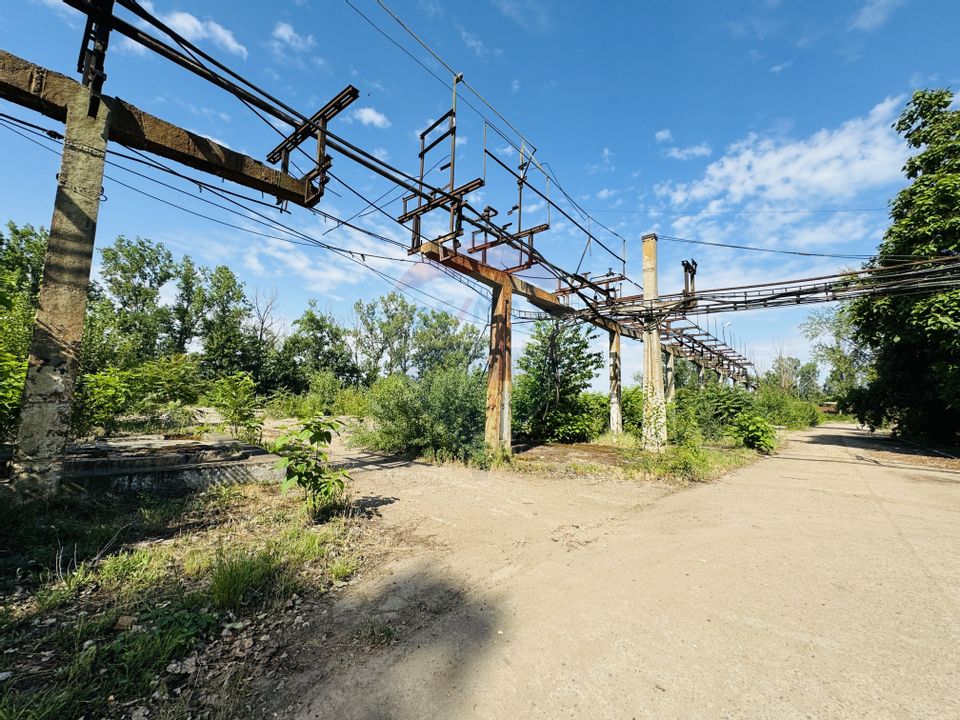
<point x="186" y="313"/>
<point x="834" y="345"/>
<point x="396" y="328"/>
<point x="685" y="374"/>
<point x="226" y="348"/>
<point x="21" y="268"/>
<point x="915" y="339"/>
<point x="133" y="272"/>
<point x="320" y="343"/>
<point x="808" y="382"/>
<point x="558" y="366"/>
<point x="784" y="374"/>
<point x="383" y="335"/>
<point x="439" y="341"/>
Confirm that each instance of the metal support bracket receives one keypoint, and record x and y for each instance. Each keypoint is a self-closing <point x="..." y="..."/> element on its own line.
<point x="315" y="127"/>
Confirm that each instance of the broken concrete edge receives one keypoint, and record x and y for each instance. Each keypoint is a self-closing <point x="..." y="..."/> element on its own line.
<point x="163" y="480"/>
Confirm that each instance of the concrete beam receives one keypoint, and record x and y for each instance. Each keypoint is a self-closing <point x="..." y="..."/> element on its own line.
<point x="49" y="93"/>
<point x="44" y="428"/>
<point x="616" y="411"/>
<point x="654" y="404"/>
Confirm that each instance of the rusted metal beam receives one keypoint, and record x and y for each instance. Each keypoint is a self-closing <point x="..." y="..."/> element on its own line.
<point x="498" y="430"/>
<point x="441" y="201"/>
<point x="48" y="92"/>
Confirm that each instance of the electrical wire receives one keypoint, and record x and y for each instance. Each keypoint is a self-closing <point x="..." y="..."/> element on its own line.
<point x="500" y="132"/>
<point x="778" y="251"/>
<point x="348" y="254"/>
<point x="395" y="175"/>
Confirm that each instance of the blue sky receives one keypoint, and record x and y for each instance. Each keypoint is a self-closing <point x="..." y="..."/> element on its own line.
<point x="761" y="122"/>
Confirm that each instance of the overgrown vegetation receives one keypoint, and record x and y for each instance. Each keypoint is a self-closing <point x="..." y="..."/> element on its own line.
<point x="914" y="340"/>
<point x="440" y="415"/>
<point x="549" y="402"/>
<point x="106" y="601"/>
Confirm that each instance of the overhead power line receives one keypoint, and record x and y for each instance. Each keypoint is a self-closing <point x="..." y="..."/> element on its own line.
<point x="354" y="256"/>
<point x="777" y="251"/>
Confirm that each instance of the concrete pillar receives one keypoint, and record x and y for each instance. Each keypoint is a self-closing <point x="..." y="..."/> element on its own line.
<point x="671" y="376"/>
<point x="616" y="411"/>
<point x="55" y="347"/>
<point x="654" y="407"/>
<point x="497" y="432"/>
<point x="701" y="376"/>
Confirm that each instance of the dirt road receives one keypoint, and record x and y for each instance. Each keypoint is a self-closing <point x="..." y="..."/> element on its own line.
<point x="820" y="583"/>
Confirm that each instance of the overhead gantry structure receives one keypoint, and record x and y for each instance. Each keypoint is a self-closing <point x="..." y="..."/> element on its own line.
<point x="93" y="120"/>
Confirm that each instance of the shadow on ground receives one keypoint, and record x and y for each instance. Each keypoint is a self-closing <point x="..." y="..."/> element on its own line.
<point x="400" y="650"/>
<point x="892" y="453"/>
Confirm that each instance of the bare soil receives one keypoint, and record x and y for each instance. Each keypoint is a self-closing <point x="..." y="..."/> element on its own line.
<point x="821" y="582"/>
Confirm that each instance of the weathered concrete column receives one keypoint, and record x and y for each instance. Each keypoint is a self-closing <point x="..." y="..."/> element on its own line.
<point x="654" y="407"/>
<point x="701" y="376"/>
<point x="497" y="432"/>
<point x="616" y="411"/>
<point x="55" y="348"/>
<point x="671" y="376"/>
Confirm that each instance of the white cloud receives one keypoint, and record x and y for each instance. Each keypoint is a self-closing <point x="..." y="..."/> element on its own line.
<point x="515" y="87"/>
<point x="472" y="42"/>
<point x="285" y="37"/>
<point x="874" y="13"/>
<point x="863" y="152"/>
<point x="689" y="153"/>
<point x="664" y="135"/>
<point x="605" y="164"/>
<point x="430" y="8"/>
<point x="292" y="48"/>
<point x="506" y="151"/>
<point x="780" y="67"/>
<point x="371" y="116"/>
<point x="528" y="14"/>
<point x="381" y="154"/>
<point x="131" y="47"/>
<point x="251" y="261"/>
<point x="194" y="29"/>
<point x="606" y="194"/>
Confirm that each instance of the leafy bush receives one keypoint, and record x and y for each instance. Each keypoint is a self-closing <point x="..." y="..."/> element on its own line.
<point x="682" y="425"/>
<point x="583" y="419"/>
<point x="398" y="413"/>
<point x="631" y="405"/>
<point x="454" y="401"/>
<point x="781" y="408"/>
<point x="351" y="401"/>
<point x="713" y="407"/>
<point x="170" y="379"/>
<point x="442" y="415"/>
<point x="12" y="375"/>
<point x="755" y="432"/>
<point x="324" y="389"/>
<point x="579" y="418"/>
<point x="100" y="400"/>
<point x="326" y="396"/>
<point x="284" y="404"/>
<point x="235" y="398"/>
<point x="687" y="462"/>
<point x="304" y="457"/>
